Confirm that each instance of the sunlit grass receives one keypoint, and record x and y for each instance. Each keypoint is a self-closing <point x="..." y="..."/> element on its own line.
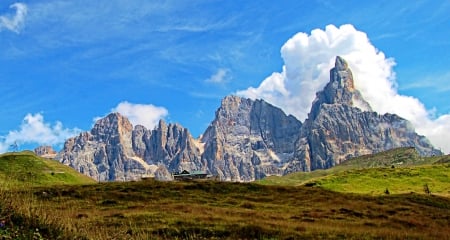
<point x="219" y="210"/>
<point x="192" y="210"/>
<point x="399" y="170"/>
<point x="26" y="169"/>
<point x="396" y="180"/>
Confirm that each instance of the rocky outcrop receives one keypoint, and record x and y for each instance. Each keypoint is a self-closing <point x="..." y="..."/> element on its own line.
<point x="341" y="125"/>
<point x="249" y="140"/>
<point x="45" y="151"/>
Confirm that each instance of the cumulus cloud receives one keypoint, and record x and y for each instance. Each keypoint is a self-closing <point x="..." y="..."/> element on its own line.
<point x="146" y="115"/>
<point x="307" y="61"/>
<point x="34" y="130"/>
<point x="14" y="22"/>
<point x="219" y="77"/>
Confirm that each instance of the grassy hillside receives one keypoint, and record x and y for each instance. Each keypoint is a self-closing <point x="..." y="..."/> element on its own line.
<point x="397" y="157"/>
<point x="219" y="210"/>
<point x="39" y="207"/>
<point x="395" y="180"/>
<point x="27" y="169"/>
<point x="399" y="170"/>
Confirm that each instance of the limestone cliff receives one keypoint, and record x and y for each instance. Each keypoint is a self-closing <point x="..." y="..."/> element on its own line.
<point x="249" y="140"/>
<point x="115" y="151"/>
<point x="342" y="125"/>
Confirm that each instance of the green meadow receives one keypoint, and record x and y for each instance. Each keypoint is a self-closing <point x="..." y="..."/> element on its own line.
<point x="400" y="171"/>
<point x="331" y="204"/>
<point x="25" y="169"/>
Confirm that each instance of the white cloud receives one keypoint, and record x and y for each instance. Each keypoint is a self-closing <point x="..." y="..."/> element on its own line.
<point x="16" y="22"/>
<point x="219" y="77"/>
<point x="34" y="130"/>
<point x="308" y="59"/>
<point x="146" y="115"/>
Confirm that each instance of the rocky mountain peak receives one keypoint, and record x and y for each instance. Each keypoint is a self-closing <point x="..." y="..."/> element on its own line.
<point x="162" y="124"/>
<point x="232" y="105"/>
<point x="341" y="76"/>
<point x="247" y="140"/>
<point x="340" y="64"/>
<point x="113" y="125"/>
<point x="342" y="125"/>
<point x="339" y="90"/>
<point x="115" y="120"/>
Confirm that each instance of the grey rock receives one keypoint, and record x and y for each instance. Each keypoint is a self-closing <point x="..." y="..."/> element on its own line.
<point x="114" y="151"/>
<point x="162" y="174"/>
<point x="45" y="151"/>
<point x="341" y="125"/>
<point x="249" y="140"/>
<point x="105" y="153"/>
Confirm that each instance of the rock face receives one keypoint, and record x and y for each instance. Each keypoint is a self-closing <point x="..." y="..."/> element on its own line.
<point x="45" y="151"/>
<point x="115" y="151"/>
<point x="247" y="140"/>
<point x="168" y="145"/>
<point x="341" y="125"/>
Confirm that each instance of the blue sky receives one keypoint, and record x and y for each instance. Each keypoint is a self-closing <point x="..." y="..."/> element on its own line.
<point x="63" y="64"/>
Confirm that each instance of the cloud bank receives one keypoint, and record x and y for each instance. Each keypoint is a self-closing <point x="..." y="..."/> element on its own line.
<point x="308" y="59"/>
<point x="34" y="130"/>
<point x="16" y="22"/>
<point x="146" y="115"/>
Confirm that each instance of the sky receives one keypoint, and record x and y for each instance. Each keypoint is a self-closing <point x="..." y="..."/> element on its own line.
<point x="65" y="64"/>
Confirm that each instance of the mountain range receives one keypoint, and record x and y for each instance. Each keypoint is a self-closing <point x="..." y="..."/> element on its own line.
<point x="247" y="140"/>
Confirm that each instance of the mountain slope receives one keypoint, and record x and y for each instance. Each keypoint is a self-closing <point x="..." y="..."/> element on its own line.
<point x="400" y="170"/>
<point x="25" y="168"/>
<point x="435" y="178"/>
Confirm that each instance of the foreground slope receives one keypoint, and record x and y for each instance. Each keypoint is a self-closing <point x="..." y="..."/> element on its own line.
<point x="221" y="210"/>
<point x="400" y="170"/>
<point x="27" y="169"/>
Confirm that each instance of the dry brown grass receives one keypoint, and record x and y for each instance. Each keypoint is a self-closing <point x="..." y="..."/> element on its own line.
<point x="217" y="210"/>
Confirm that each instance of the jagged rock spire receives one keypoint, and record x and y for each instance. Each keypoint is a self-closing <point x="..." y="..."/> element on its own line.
<point x="342" y="75"/>
<point x="340" y="64"/>
<point x="339" y="90"/>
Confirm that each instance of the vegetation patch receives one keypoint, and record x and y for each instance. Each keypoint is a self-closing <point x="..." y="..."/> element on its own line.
<point x="197" y="210"/>
<point x="396" y="171"/>
<point x="220" y="210"/>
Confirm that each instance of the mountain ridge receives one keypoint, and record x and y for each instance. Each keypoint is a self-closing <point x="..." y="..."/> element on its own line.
<point x="247" y="140"/>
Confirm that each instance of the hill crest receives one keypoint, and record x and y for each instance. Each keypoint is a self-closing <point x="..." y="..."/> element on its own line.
<point x="27" y="169"/>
